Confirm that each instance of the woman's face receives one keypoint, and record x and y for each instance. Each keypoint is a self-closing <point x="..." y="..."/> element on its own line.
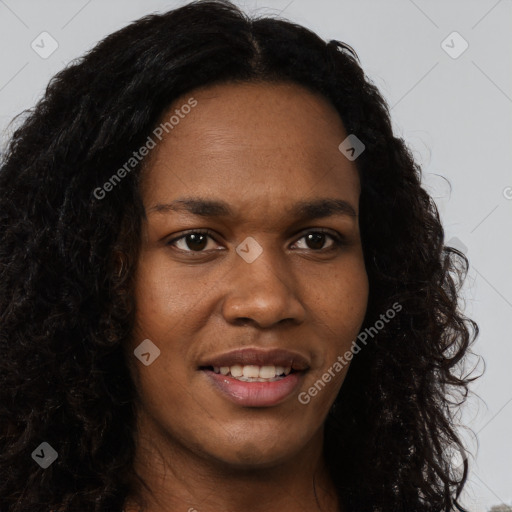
<point x="267" y="291"/>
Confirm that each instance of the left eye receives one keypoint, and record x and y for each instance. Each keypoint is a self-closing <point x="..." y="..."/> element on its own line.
<point x="317" y="240"/>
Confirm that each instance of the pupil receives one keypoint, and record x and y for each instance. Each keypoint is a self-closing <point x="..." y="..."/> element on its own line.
<point x="316" y="238"/>
<point x="196" y="241"/>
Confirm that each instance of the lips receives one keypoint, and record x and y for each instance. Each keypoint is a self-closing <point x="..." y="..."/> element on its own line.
<point x="252" y="392"/>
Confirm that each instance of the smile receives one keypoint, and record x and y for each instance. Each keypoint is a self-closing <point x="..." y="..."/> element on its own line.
<point x="256" y="378"/>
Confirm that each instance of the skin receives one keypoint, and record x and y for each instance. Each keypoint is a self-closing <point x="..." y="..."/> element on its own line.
<point x="261" y="148"/>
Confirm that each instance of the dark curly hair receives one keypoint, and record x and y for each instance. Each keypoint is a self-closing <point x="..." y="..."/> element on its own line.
<point x="67" y="307"/>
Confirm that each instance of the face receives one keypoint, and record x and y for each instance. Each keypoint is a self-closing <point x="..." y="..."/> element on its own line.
<point x="251" y="279"/>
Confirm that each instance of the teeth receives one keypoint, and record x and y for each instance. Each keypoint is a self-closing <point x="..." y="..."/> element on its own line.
<point x="253" y="373"/>
<point x="267" y="372"/>
<point x="236" y="370"/>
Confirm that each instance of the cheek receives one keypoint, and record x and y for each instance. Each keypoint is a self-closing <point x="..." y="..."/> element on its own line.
<point x="339" y="310"/>
<point x="171" y="307"/>
<point x="341" y="302"/>
<point x="162" y="298"/>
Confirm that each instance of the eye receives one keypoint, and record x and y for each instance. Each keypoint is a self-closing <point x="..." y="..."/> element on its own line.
<point x="316" y="239"/>
<point x="193" y="241"/>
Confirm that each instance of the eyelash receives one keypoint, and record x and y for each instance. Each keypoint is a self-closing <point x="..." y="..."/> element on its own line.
<point x="338" y="240"/>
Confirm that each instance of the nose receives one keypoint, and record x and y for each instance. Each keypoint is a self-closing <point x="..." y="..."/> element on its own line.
<point x="264" y="292"/>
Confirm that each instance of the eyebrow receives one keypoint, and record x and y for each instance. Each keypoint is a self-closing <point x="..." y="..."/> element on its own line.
<point x="304" y="210"/>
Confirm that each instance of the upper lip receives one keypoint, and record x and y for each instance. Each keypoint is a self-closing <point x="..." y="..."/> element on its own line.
<point x="259" y="357"/>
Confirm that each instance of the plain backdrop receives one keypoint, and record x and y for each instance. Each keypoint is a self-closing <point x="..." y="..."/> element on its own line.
<point x="444" y="67"/>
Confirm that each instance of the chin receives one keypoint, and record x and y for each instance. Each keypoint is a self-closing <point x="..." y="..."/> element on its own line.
<point x="252" y="453"/>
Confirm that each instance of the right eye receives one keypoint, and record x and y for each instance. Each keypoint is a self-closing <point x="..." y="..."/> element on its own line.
<point x="192" y="241"/>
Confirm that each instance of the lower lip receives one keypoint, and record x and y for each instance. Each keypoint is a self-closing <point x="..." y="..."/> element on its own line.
<point x="255" y="394"/>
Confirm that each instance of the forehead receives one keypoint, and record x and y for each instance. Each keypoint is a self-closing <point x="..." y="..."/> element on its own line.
<point x="256" y="142"/>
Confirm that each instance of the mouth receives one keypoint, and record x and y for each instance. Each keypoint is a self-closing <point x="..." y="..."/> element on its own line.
<point x="256" y="378"/>
<point x="251" y="373"/>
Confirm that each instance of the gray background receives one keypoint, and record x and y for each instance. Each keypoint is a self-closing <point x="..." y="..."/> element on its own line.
<point x="455" y="114"/>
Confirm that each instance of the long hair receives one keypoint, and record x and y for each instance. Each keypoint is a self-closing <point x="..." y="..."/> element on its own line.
<point x="67" y="308"/>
